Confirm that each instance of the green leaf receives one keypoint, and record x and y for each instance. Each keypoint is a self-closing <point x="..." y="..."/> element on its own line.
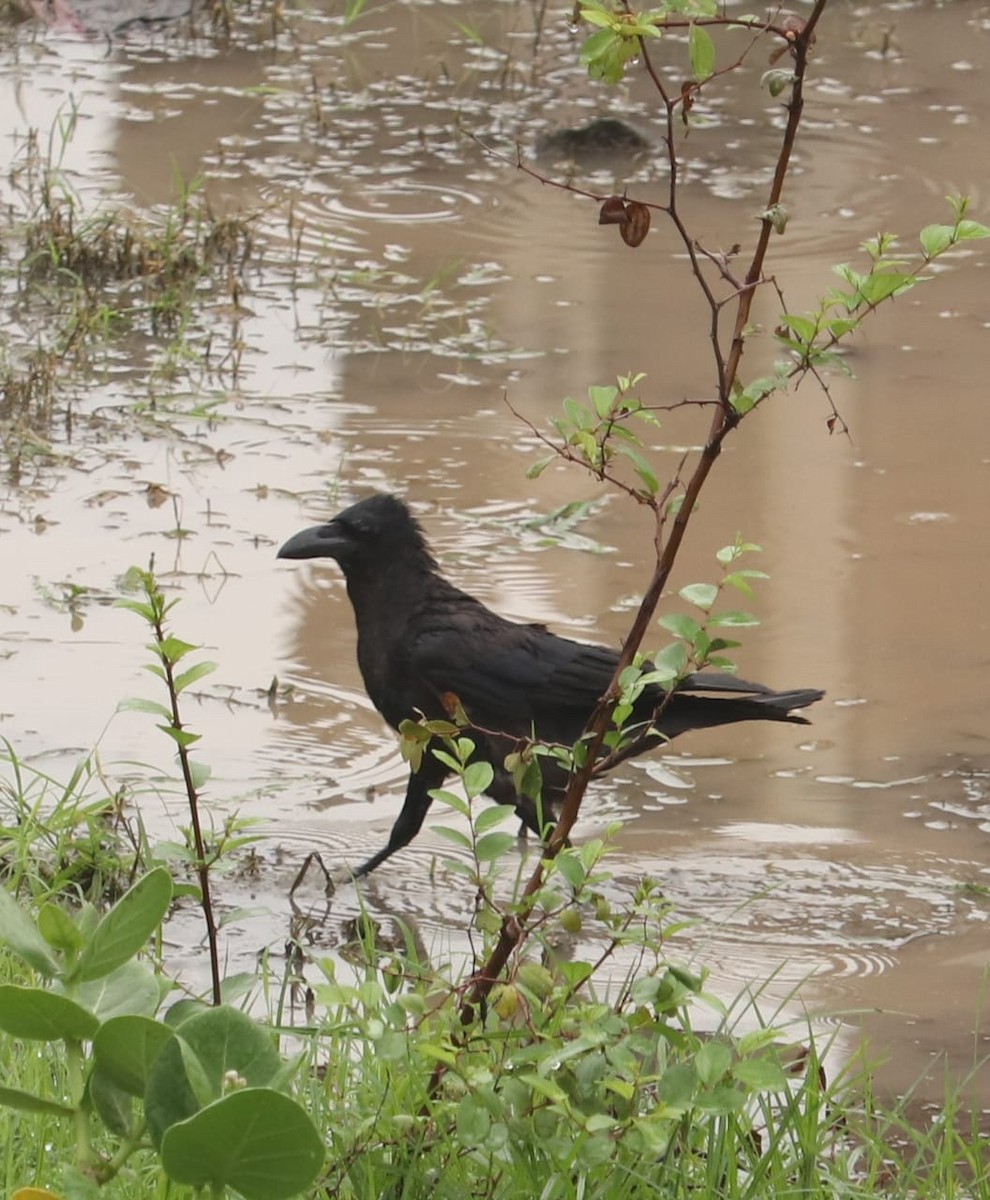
<point x="58" y="929"/>
<point x="936" y="238"/>
<point x="474" y="1123"/>
<point x="606" y="52"/>
<point x="131" y="990"/>
<point x="536" y="469"/>
<point x="200" y="773"/>
<point x="113" y="1105"/>
<point x="643" y="469"/>
<point x="172" y="648"/>
<point x="673" y="657"/>
<point x="803" y="328"/>
<point x="451" y="800"/>
<point x="758" y="1039"/>
<point x="143" y="610"/>
<point x="883" y="284"/>
<point x="38" y="1015"/>
<point x="257" y="1142"/>
<point x="722" y="1099"/>
<point x="742" y="402"/>
<point x="677" y="1086"/>
<point x="596" y="45"/>
<point x="25" y="1102"/>
<point x="572" y="868"/>
<point x="181" y="737"/>
<point x="454" y="836"/>
<point x="127" y="926"/>
<point x="19" y="934"/>
<point x="721" y="643"/>
<point x="181" y="682"/>
<point x="597" y="16"/>
<point x="137" y="704"/>
<point x="702" y="50"/>
<point x="701" y="595"/>
<point x="712" y="1062"/>
<point x="447" y="759"/>
<point x="680" y="625"/>
<point x="602" y="398"/>
<point x="490" y="818"/>
<point x="736" y="620"/>
<point x="125" y="1049"/>
<point x="746" y="399"/>
<point x="493" y="845"/>
<point x="413" y="740"/>
<point x="477" y="778"/>
<point x="579" y="416"/>
<point x="585" y="442"/>
<point x="599" y="1122"/>
<point x="840" y="327"/>
<point x="740" y="580"/>
<point x="211" y="1045"/>
<point x="967" y="231"/>
<point x="760" y="1075"/>
<point x="663" y="674"/>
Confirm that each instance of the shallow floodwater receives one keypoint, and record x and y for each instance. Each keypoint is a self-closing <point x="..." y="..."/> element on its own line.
<point x="404" y="282"/>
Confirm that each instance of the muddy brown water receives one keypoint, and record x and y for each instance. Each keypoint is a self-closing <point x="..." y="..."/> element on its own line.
<point x="404" y="282"/>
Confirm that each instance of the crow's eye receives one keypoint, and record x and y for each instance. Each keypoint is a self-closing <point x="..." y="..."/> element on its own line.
<point x="349" y="527"/>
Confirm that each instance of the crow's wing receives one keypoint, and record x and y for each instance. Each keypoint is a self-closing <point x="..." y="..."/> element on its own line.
<point x="511" y="678"/>
<point x="520" y="679"/>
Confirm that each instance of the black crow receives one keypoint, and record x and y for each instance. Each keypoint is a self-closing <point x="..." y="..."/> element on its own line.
<point x="424" y="645"/>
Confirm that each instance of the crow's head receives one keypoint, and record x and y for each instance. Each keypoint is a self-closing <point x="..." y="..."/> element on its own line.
<point x="373" y="530"/>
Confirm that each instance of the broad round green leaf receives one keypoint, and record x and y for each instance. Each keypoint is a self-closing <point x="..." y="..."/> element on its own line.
<point x="257" y="1141"/>
<point x="33" y="1013"/>
<point x="113" y="1105"/>
<point x="132" y="989"/>
<point x="126" y="1047"/>
<point x="194" y="1066"/>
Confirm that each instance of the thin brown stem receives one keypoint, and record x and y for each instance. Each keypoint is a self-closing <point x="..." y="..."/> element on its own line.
<point x="670" y="525"/>
<point x="192" y="795"/>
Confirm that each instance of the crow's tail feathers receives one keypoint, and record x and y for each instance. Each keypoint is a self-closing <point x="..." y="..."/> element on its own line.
<point x="734" y="700"/>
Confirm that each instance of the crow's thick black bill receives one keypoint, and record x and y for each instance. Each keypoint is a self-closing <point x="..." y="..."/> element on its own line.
<point x="423" y="644"/>
<point x="319" y="541"/>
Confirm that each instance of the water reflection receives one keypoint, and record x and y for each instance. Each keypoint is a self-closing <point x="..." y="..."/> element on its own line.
<point x="405" y="281"/>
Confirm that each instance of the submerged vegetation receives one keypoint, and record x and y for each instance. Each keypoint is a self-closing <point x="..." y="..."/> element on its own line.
<point x="573" y="1050"/>
<point x="79" y="276"/>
